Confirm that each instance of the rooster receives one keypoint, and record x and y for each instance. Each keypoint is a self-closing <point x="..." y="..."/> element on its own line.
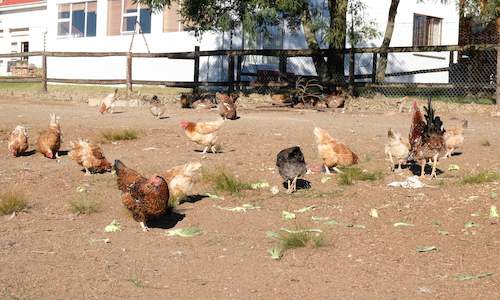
<point x="49" y="141"/>
<point x="202" y="133"/>
<point x="108" y="103"/>
<point x="291" y="165"/>
<point x="454" y="137"/>
<point x="227" y="106"/>
<point x="396" y="148"/>
<point x="18" y="142"/>
<point x="426" y="138"/>
<point x="333" y="153"/>
<point x="89" y="156"/>
<point x="181" y="179"/>
<point x="157" y="109"/>
<point x="145" y="198"/>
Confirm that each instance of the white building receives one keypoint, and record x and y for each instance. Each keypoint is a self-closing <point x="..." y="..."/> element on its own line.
<point x="107" y="25"/>
<point x="23" y="25"/>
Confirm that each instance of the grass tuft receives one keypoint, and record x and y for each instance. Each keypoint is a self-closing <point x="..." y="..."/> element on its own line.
<point x="12" y="201"/>
<point x="83" y="205"/>
<point x="224" y="182"/>
<point x="119" y="135"/>
<point x="353" y="174"/>
<point x="482" y="177"/>
<point x="293" y="240"/>
<point x="485" y="143"/>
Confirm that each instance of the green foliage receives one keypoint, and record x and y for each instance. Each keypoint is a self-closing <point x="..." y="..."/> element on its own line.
<point x="223" y="181"/>
<point x="480" y="13"/>
<point x="12" y="201"/>
<point x="482" y="177"/>
<point x="119" y="135"/>
<point x="292" y="239"/>
<point x="257" y="16"/>
<point x="353" y="174"/>
<point x="82" y="205"/>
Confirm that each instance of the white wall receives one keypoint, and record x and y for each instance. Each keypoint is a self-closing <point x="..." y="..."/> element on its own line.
<point x="403" y="36"/>
<point x="213" y="68"/>
<point x="35" y="20"/>
<point x="114" y="67"/>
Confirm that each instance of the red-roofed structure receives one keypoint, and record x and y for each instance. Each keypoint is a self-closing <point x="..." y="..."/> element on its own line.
<point x="18" y="2"/>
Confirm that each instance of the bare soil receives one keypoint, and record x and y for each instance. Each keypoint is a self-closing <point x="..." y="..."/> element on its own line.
<point x="47" y="252"/>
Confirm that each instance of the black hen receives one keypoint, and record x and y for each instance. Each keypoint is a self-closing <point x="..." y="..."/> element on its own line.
<point x="291" y="165"/>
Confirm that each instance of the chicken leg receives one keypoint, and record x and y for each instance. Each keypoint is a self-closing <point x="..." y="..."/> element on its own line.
<point x="289" y="187"/>
<point x="327" y="170"/>
<point x="399" y="167"/>
<point x="144" y="227"/>
<point x="205" y="150"/>
<point x="392" y="161"/>
<point x="422" y="167"/>
<point x="87" y="172"/>
<point x="213" y="149"/>
<point x="434" y="165"/>
<point x="294" y="184"/>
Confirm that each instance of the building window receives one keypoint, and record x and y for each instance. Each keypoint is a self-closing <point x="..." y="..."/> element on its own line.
<point x="77" y="19"/>
<point x="171" y="20"/>
<point x="426" y="30"/>
<point x="25" y="47"/>
<point x="123" y="15"/>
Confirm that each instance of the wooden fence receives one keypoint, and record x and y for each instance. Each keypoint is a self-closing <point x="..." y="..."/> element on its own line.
<point x="235" y="59"/>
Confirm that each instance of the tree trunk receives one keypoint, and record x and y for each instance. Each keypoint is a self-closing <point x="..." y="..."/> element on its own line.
<point x="312" y="43"/>
<point x="338" y="27"/>
<point x="382" y="62"/>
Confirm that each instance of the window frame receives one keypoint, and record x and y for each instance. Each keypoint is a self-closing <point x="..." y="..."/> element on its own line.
<point x="136" y="14"/>
<point x="426" y="28"/>
<point x="180" y="25"/>
<point x="70" y="20"/>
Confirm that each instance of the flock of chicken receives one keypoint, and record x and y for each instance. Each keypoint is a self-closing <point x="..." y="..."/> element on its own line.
<point x="149" y="198"/>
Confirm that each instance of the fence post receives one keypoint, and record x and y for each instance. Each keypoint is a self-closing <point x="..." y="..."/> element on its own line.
<point x="196" y="64"/>
<point x="230" y="73"/>
<point x="196" y="73"/>
<point x="44" y="72"/>
<point x="374" y="68"/>
<point x="239" y="63"/>
<point x="351" y="70"/>
<point x="129" y="73"/>
<point x="282" y="66"/>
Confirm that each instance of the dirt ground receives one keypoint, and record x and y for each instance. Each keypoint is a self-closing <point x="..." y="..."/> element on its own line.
<point x="47" y="252"/>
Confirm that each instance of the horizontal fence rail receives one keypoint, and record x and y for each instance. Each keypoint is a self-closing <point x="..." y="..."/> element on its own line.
<point x="235" y="66"/>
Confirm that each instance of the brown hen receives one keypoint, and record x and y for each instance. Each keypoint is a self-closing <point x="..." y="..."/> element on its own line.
<point x="145" y="198"/>
<point x="89" y="156"/>
<point x="18" y="141"/>
<point x="426" y="138"/>
<point x="49" y="141"/>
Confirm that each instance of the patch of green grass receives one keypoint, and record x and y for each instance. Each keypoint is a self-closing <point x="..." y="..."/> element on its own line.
<point x="482" y="177"/>
<point x="353" y="174"/>
<point x="12" y="201"/>
<point x="92" y="89"/>
<point x="136" y="277"/>
<point x="21" y="86"/>
<point x="311" y="193"/>
<point x="224" y="182"/>
<point x="82" y="205"/>
<point x="300" y="239"/>
<point x="136" y="282"/>
<point x="119" y="135"/>
<point x="485" y="143"/>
